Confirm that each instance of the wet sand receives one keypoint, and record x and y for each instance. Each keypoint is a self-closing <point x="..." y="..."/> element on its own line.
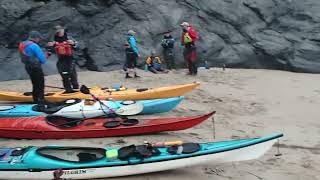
<point x="249" y="103"/>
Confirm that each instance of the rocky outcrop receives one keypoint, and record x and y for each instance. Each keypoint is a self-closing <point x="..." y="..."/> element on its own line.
<point x="273" y="34"/>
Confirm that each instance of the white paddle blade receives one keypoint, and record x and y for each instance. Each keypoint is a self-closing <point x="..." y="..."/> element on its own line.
<point x="130" y="110"/>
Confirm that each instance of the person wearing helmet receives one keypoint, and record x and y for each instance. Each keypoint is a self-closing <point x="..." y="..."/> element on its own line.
<point x="132" y="55"/>
<point x="188" y="39"/>
<point x="32" y="57"/>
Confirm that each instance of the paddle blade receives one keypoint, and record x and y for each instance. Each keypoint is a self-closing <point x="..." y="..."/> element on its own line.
<point x="84" y="89"/>
<point x="130" y="110"/>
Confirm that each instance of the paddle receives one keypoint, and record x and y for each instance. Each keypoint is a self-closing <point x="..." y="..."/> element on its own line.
<point x="127" y="110"/>
<point x="55" y="87"/>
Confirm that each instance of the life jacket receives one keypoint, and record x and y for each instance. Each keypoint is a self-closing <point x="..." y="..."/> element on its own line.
<point x="22" y="47"/>
<point x="187" y="39"/>
<point x="63" y="49"/>
<point x="27" y="60"/>
<point x="150" y="61"/>
<point x="190" y="37"/>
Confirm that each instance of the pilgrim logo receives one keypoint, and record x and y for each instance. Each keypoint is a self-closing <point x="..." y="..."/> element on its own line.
<point x="80" y="171"/>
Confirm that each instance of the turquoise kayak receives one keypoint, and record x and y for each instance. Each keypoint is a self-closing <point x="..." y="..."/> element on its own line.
<point x="51" y="162"/>
<point x="149" y="107"/>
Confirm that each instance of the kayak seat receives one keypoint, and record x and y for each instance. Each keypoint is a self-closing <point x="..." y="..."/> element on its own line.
<point x="72" y="154"/>
<point x="86" y="157"/>
<point x="55" y="107"/>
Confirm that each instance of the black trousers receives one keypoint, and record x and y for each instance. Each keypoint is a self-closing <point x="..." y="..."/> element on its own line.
<point x="37" y="79"/>
<point x="189" y="54"/>
<point x="168" y="57"/>
<point x="67" y="70"/>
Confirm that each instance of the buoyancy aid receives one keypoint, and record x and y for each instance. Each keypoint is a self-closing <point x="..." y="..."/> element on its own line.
<point x="63" y="48"/>
<point x="27" y="60"/>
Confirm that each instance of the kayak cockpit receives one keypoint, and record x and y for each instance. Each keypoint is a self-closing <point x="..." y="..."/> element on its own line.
<point x="72" y="154"/>
<point x="54" y="107"/>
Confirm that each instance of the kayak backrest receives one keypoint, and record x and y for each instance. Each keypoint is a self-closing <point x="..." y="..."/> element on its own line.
<point x="72" y="154"/>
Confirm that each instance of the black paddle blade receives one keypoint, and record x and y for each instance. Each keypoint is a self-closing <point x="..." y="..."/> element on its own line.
<point x="84" y="89"/>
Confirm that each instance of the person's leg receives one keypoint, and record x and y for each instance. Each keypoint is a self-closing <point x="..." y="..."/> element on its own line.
<point x="166" y="58"/>
<point x="37" y="79"/>
<point x="134" y="61"/>
<point x="40" y="88"/>
<point x="171" y="59"/>
<point x="186" y="55"/>
<point x="62" y="66"/>
<point x="128" y="65"/>
<point x="32" y="79"/>
<point x="151" y="69"/>
<point x="74" y="76"/>
<point x="194" y="60"/>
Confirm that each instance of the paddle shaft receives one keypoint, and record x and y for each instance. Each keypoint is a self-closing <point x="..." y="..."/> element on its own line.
<point x="56" y="87"/>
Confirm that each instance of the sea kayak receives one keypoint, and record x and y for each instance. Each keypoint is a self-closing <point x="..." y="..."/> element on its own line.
<point x="80" y="110"/>
<point x="54" y="162"/>
<point x="105" y="94"/>
<point x="52" y="127"/>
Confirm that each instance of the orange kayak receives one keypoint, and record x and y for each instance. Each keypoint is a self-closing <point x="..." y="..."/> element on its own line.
<point x="105" y="94"/>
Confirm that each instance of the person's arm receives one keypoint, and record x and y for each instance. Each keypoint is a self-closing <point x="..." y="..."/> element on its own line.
<point x="37" y="51"/>
<point x="75" y="44"/>
<point x="133" y="45"/>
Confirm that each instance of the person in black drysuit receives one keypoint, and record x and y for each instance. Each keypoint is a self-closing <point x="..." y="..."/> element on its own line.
<point x="66" y="63"/>
<point x="168" y="46"/>
<point x="32" y="56"/>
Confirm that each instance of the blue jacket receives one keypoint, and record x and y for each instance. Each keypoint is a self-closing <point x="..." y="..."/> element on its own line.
<point x="34" y="50"/>
<point x="133" y="43"/>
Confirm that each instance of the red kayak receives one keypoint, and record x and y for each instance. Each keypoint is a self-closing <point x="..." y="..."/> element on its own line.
<point x="58" y="127"/>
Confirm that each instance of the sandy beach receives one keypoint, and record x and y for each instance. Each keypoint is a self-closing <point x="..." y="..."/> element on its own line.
<point x="249" y="103"/>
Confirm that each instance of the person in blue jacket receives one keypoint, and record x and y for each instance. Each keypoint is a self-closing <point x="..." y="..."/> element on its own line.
<point x="32" y="57"/>
<point x="132" y="55"/>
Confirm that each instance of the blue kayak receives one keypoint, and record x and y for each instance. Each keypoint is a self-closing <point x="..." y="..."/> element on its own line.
<point x="149" y="107"/>
<point x="51" y="162"/>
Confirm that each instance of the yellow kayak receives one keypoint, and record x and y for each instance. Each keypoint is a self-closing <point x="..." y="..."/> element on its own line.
<point x="122" y="94"/>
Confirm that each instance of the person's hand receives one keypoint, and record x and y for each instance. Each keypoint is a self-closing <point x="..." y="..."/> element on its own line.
<point x="71" y="42"/>
<point x="50" y="44"/>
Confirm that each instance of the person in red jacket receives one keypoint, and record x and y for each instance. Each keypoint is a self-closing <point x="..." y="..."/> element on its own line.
<point x="188" y="39"/>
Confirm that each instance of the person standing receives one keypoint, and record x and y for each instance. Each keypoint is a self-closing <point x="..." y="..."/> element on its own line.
<point x="64" y="46"/>
<point x="188" y="39"/>
<point x="32" y="57"/>
<point x="132" y="55"/>
<point x="168" y="46"/>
